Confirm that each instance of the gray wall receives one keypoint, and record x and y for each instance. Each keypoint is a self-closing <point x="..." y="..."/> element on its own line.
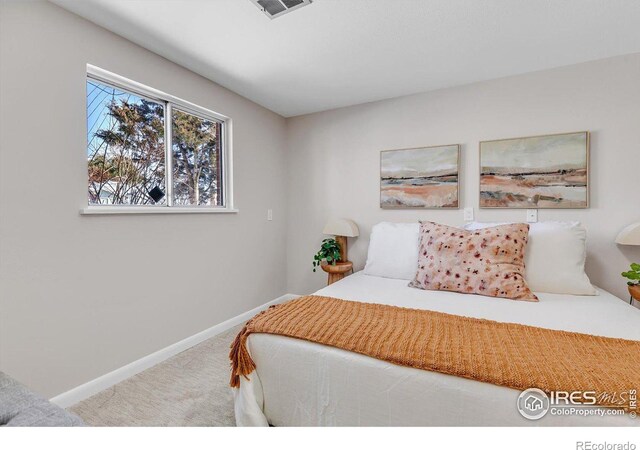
<point x="81" y="296"/>
<point x="334" y="157"/>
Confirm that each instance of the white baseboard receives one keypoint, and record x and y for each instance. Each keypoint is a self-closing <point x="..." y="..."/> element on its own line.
<point x="99" y="384"/>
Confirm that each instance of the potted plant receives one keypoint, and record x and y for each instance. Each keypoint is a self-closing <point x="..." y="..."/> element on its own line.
<point x="634" y="280"/>
<point x="329" y="252"/>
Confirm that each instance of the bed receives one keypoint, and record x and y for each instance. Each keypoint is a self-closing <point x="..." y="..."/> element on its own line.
<point x="300" y="383"/>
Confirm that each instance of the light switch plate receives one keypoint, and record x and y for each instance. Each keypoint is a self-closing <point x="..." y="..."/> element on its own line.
<point x="468" y="214"/>
<point x="269" y="214"/>
<point x="532" y="215"/>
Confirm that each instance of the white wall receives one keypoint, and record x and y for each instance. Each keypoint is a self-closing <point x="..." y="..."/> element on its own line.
<point x="81" y="296"/>
<point x="334" y="157"/>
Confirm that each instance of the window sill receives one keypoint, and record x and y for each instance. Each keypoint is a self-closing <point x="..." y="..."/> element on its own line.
<point x="113" y="210"/>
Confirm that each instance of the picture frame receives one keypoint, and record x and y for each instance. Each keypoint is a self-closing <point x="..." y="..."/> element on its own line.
<point x="548" y="171"/>
<point x="420" y="177"/>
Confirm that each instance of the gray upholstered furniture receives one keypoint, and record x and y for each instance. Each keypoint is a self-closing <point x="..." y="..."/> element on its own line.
<point x="21" y="407"/>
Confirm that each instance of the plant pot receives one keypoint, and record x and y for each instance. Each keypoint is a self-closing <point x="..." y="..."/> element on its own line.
<point x="635" y="291"/>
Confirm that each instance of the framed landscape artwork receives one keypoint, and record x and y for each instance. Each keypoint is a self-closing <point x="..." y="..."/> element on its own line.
<point x="535" y="172"/>
<point x="424" y="177"/>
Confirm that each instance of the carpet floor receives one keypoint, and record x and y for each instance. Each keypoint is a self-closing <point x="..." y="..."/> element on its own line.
<point x="189" y="389"/>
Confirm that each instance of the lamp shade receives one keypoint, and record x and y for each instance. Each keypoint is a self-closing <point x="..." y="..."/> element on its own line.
<point x="630" y="235"/>
<point x="341" y="227"/>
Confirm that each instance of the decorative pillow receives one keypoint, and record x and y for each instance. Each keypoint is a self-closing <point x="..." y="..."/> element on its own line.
<point x="393" y="250"/>
<point x="555" y="257"/>
<point x="485" y="262"/>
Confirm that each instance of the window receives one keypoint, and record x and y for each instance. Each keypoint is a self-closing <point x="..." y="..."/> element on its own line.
<point x="150" y="152"/>
<point x="125" y="149"/>
<point x="196" y="159"/>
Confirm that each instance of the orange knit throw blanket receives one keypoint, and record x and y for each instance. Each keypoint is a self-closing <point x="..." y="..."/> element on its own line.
<point x="505" y="354"/>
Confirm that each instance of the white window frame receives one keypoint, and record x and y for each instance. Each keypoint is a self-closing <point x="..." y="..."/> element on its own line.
<point x="169" y="101"/>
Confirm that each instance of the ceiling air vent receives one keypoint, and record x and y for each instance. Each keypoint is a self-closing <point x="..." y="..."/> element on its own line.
<point x="277" y="8"/>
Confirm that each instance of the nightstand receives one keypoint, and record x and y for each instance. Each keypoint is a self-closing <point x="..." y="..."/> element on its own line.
<point x="338" y="271"/>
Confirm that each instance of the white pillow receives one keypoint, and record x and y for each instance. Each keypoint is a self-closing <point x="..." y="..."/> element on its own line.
<point x="393" y="250"/>
<point x="554" y="258"/>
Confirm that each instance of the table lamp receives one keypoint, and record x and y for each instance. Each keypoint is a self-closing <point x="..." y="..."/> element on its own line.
<point x="631" y="236"/>
<point x="341" y="229"/>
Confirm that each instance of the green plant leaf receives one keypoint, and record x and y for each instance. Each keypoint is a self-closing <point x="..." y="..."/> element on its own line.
<point x="329" y="252"/>
<point x="635" y="267"/>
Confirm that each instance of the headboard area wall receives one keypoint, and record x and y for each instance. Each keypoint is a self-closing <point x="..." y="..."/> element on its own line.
<point x="334" y="158"/>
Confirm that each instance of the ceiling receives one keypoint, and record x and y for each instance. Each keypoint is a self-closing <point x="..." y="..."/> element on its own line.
<point x="336" y="53"/>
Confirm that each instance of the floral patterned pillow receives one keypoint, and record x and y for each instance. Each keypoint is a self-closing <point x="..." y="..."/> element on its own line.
<point x="485" y="262"/>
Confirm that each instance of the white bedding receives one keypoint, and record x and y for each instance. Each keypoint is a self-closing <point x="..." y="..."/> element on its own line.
<point x="299" y="383"/>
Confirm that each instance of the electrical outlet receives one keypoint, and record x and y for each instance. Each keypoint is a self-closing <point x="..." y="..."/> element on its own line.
<point x="532" y="215"/>
<point x="468" y="214"/>
<point x="269" y="214"/>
